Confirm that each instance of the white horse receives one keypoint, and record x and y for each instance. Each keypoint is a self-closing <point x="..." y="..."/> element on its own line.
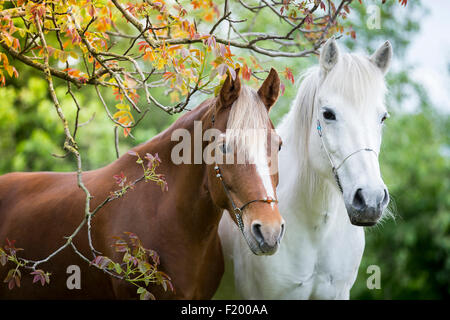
<point x="330" y="182"/>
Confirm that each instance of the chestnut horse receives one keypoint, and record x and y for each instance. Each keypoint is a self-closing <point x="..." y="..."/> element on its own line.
<point x="181" y="224"/>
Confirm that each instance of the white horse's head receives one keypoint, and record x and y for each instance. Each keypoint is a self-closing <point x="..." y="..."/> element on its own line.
<point x="346" y="128"/>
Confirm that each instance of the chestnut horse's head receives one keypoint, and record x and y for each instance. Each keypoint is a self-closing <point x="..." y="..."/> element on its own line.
<point x="244" y="174"/>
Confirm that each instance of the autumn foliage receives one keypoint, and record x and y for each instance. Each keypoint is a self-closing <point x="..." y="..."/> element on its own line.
<point x="184" y="45"/>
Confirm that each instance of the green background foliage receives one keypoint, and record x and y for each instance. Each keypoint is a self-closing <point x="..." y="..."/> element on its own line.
<point x="412" y="250"/>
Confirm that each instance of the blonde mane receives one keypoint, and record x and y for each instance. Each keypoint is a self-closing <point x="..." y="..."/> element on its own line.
<point x="247" y="125"/>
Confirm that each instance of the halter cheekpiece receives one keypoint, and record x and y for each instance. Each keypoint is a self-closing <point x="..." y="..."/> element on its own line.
<point x="335" y="168"/>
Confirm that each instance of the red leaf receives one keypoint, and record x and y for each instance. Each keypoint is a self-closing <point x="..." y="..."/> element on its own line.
<point x="120" y="179"/>
<point x="322" y="5"/>
<point x="282" y="88"/>
<point x="288" y="74"/>
<point x="246" y="72"/>
<point x="101" y="262"/>
<point x="39" y="275"/>
<point x="91" y="10"/>
<point x="11" y="284"/>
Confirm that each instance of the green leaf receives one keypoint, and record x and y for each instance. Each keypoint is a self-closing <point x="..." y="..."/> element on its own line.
<point x="3" y="257"/>
<point x="141" y="290"/>
<point x="118" y="268"/>
<point x="146" y="295"/>
<point x="126" y="257"/>
<point x="9" y="276"/>
<point x="143" y="266"/>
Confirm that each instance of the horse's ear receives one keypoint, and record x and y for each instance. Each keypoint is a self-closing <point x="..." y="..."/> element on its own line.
<point x="230" y="89"/>
<point x="329" y="55"/>
<point x="270" y="88"/>
<point x="383" y="57"/>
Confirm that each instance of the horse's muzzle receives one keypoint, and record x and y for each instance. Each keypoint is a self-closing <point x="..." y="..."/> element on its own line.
<point x="267" y="238"/>
<point x="367" y="206"/>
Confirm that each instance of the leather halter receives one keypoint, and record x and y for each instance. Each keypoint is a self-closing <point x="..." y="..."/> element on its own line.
<point x="236" y="210"/>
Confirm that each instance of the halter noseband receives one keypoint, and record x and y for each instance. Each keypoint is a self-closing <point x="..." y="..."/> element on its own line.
<point x="333" y="166"/>
<point x="236" y="210"/>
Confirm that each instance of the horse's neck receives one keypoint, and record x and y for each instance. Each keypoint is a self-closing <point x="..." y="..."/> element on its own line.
<point x="187" y="183"/>
<point x="163" y="143"/>
<point x="311" y="199"/>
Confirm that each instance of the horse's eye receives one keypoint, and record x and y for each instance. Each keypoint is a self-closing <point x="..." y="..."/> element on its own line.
<point x="329" y="115"/>
<point x="279" y="148"/>
<point x="385" y="116"/>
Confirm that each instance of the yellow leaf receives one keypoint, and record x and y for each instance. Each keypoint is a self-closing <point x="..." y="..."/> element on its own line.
<point x="73" y="54"/>
<point x="63" y="55"/>
<point x="119" y="114"/>
<point x="10" y="70"/>
<point x="174" y="96"/>
<point x="4" y="57"/>
<point x="7" y="41"/>
<point x="161" y="63"/>
<point x="22" y="32"/>
<point x="122" y="106"/>
<point x="149" y="55"/>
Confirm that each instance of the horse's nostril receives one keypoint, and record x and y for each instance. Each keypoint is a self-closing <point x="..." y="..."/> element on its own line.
<point x="358" y="200"/>
<point x="281" y="233"/>
<point x="256" y="230"/>
<point x="385" y="198"/>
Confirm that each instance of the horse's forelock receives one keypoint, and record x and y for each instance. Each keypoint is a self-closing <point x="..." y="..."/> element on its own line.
<point x="356" y="79"/>
<point x="247" y="124"/>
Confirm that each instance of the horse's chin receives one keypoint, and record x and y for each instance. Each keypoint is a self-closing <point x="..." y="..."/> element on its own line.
<point x="364" y="224"/>
<point x="257" y="249"/>
<point x="360" y="220"/>
<point x="367" y="217"/>
<point x="259" y="252"/>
